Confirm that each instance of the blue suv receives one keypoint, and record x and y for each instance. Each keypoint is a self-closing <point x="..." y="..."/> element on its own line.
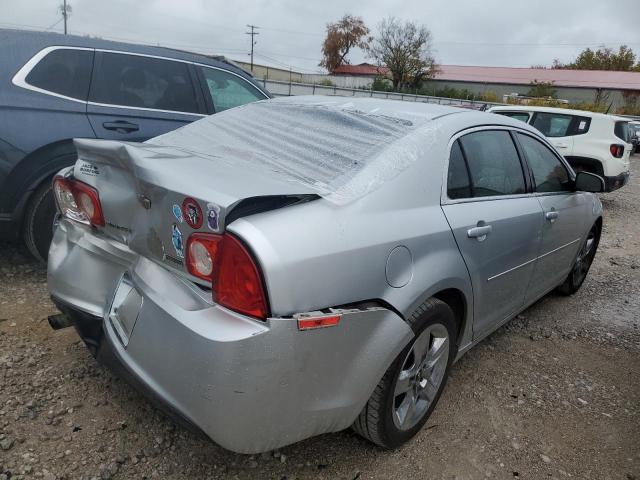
<point x="54" y="88"/>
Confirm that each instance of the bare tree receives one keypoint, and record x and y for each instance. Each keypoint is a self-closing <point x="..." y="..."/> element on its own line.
<point x="405" y="48"/>
<point x="342" y="36"/>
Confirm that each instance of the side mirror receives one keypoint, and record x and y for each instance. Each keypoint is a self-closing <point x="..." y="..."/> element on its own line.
<point x="589" y="182"/>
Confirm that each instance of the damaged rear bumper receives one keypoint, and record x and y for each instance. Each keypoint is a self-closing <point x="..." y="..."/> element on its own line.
<point x="250" y="386"/>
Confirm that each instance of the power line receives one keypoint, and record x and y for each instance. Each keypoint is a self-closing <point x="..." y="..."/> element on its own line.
<point x="53" y="24"/>
<point x="253" y="33"/>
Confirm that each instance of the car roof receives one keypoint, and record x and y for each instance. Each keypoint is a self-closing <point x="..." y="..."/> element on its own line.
<point x="374" y="106"/>
<point x="417" y="112"/>
<point x="32" y="42"/>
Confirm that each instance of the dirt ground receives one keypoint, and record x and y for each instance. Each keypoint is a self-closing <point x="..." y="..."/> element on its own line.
<point x="553" y="394"/>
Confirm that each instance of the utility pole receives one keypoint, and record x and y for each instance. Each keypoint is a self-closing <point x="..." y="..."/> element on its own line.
<point x="65" y="10"/>
<point x="252" y="33"/>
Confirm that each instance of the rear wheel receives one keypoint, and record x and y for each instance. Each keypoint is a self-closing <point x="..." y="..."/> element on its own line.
<point x="409" y="390"/>
<point x="38" y="223"/>
<point x="583" y="262"/>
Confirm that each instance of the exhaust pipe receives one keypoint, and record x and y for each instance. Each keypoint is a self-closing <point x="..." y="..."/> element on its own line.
<point x="59" y="321"/>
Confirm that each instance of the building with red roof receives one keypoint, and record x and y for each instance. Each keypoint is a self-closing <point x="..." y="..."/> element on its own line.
<point x="576" y="86"/>
<point x="362" y="70"/>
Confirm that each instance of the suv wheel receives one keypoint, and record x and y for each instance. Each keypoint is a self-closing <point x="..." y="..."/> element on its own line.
<point x="39" y="220"/>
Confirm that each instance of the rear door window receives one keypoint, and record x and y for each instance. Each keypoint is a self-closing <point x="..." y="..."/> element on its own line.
<point x="552" y="124"/>
<point x="143" y="82"/>
<point x="494" y="164"/>
<point x="65" y="72"/>
<point x="228" y="90"/>
<point x="549" y="174"/>
<point x="560" y="124"/>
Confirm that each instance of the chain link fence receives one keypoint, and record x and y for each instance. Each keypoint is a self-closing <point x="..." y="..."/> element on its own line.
<point x="282" y="89"/>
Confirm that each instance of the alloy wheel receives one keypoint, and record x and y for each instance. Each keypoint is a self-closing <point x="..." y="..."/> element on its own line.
<point x="584" y="259"/>
<point x="421" y="375"/>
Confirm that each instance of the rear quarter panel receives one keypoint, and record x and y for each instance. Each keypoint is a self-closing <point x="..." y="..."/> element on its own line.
<point x="320" y="255"/>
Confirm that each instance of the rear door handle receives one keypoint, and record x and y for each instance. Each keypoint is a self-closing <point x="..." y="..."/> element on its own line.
<point x="479" y="233"/>
<point x="551" y="216"/>
<point x="121" y="126"/>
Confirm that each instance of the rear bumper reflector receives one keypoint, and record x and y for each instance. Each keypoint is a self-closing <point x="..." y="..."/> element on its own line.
<point x="309" y="323"/>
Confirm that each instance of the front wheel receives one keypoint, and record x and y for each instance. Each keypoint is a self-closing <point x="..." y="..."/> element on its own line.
<point x="583" y="262"/>
<point x="409" y="390"/>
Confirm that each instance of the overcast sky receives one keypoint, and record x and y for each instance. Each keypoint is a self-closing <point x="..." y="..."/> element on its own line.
<point x="488" y="32"/>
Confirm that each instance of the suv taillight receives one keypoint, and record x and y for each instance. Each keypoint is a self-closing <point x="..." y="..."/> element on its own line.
<point x="236" y="282"/>
<point x="78" y="201"/>
<point x="616" y="150"/>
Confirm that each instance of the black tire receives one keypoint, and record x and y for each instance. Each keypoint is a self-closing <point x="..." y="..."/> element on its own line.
<point x="582" y="263"/>
<point x="376" y="421"/>
<point x="37" y="226"/>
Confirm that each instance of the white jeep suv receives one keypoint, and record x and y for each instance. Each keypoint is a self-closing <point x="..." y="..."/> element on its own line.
<point x="593" y="142"/>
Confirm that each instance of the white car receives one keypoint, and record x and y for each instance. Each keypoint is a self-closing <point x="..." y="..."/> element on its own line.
<point x="592" y="142"/>
<point x="634" y="132"/>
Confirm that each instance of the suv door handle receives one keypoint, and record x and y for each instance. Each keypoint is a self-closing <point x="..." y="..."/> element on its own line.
<point x="551" y="216"/>
<point x="121" y="126"/>
<point x="479" y="233"/>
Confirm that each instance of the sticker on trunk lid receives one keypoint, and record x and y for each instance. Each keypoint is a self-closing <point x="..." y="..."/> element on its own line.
<point x="213" y="214"/>
<point x="89" y="169"/>
<point x="177" y="212"/>
<point x="176" y="240"/>
<point x="192" y="213"/>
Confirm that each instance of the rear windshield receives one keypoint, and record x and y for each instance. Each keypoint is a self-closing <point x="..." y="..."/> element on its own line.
<point x="323" y="146"/>
<point x="622" y="131"/>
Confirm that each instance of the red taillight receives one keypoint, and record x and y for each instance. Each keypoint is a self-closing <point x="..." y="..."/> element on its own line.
<point x="236" y="282"/>
<point x="616" y="150"/>
<point x="202" y="252"/>
<point x="78" y="201"/>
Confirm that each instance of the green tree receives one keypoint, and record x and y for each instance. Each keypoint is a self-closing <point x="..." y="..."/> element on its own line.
<point x="603" y="59"/>
<point x="541" y="90"/>
<point x="381" y="84"/>
<point x="405" y="48"/>
<point x="341" y="37"/>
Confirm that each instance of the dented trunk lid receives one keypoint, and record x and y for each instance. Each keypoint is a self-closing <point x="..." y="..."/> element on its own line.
<point x="153" y="197"/>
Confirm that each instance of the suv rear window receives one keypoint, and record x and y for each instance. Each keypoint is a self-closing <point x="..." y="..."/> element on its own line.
<point x="143" y="82"/>
<point x="621" y="131"/>
<point x="65" y="72"/>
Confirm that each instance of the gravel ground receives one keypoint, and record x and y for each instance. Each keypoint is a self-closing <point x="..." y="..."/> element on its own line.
<point x="553" y="394"/>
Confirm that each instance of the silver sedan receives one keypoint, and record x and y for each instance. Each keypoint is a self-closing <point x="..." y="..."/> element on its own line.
<point x="302" y="265"/>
